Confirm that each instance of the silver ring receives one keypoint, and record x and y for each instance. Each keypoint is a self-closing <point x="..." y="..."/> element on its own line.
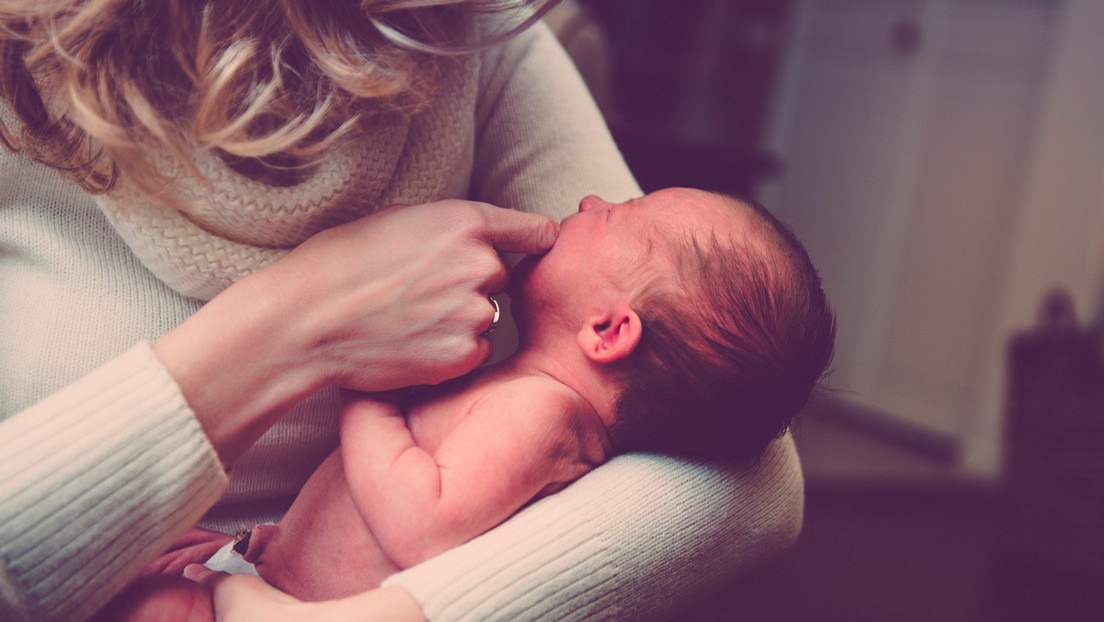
<point x="494" y="320"/>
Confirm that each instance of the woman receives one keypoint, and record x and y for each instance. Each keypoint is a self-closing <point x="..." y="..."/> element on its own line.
<point x="212" y="260"/>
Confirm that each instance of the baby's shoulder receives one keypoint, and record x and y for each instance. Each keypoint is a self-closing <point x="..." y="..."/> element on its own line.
<point x="542" y="407"/>
<point x="537" y="395"/>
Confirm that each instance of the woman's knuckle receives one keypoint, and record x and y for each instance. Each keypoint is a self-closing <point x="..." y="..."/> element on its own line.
<point x="487" y="264"/>
<point x="499" y="272"/>
<point x="473" y="355"/>
<point x="467" y="217"/>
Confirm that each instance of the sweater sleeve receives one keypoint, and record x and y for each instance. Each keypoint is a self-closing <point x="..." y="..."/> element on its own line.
<point x="643" y="536"/>
<point x="640" y="538"/>
<point x="94" y="481"/>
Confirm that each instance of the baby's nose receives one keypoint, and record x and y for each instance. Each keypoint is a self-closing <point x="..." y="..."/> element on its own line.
<point x="590" y="202"/>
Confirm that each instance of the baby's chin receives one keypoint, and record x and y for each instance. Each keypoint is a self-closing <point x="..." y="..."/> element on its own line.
<point x="520" y="275"/>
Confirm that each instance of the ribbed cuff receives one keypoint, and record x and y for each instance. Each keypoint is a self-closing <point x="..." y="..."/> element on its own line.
<point x="95" y="481"/>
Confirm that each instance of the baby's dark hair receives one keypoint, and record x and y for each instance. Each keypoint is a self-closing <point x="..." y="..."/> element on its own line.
<point x="733" y="344"/>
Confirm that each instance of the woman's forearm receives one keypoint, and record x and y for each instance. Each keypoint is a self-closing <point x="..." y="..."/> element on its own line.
<point x="96" y="479"/>
<point x="235" y="365"/>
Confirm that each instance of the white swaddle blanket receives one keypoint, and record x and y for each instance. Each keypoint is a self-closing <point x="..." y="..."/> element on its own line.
<point x="230" y="561"/>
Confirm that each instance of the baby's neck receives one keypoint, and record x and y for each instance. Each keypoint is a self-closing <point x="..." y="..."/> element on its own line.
<point x="571" y="369"/>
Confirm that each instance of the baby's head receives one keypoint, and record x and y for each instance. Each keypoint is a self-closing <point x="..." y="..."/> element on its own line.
<point x="706" y="310"/>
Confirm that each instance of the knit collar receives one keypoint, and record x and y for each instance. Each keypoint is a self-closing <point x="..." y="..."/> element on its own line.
<point x="229" y="226"/>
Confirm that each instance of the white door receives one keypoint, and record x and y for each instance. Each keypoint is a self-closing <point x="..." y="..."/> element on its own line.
<point x="909" y="132"/>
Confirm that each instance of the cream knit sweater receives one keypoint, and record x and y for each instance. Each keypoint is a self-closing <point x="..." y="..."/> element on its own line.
<point x="102" y="463"/>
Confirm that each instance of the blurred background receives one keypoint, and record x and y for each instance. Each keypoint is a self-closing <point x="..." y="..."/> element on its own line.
<point x="943" y="161"/>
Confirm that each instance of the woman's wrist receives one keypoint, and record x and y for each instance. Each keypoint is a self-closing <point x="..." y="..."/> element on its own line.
<point x="238" y="366"/>
<point x="388" y="604"/>
<point x="242" y="597"/>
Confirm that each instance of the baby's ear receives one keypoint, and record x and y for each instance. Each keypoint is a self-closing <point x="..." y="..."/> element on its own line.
<point x="610" y="336"/>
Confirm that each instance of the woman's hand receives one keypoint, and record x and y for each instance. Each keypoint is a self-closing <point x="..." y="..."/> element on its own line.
<point x="245" y="598"/>
<point x="391" y="300"/>
<point x="400" y="298"/>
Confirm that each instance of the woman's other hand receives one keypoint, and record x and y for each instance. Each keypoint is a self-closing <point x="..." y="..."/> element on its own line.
<point x="245" y="598"/>
<point x="391" y="300"/>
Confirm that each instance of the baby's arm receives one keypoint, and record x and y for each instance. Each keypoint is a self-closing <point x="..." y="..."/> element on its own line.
<point x="514" y="442"/>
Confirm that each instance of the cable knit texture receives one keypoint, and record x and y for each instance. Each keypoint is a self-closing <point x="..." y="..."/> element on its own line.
<point x="227" y="227"/>
<point x="102" y="462"/>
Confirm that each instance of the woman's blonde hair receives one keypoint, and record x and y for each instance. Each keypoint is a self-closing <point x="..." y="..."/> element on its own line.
<point x="267" y="84"/>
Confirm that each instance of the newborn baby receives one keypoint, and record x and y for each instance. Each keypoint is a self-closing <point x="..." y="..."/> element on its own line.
<point x="682" y="322"/>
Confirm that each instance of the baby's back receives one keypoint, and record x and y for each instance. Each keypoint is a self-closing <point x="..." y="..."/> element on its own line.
<point x="324" y="549"/>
